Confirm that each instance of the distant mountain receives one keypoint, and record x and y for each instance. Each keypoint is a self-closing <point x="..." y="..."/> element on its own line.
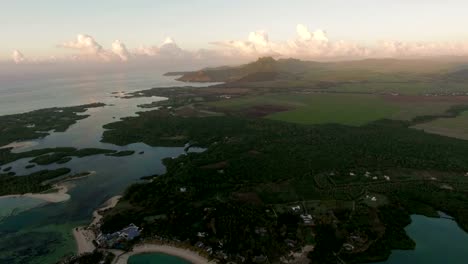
<point x="232" y="74"/>
<point x="268" y="69"/>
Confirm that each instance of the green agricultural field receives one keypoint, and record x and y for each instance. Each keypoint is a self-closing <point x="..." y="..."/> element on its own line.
<point x="407" y="87"/>
<point x="453" y="127"/>
<point x="347" y="109"/>
<point x="341" y="109"/>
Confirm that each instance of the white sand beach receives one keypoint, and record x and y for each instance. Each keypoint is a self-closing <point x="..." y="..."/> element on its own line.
<point x="54" y="197"/>
<point x="20" y="145"/>
<point x="84" y="239"/>
<point x="106" y="206"/>
<point x="186" y="254"/>
<point x="84" y="236"/>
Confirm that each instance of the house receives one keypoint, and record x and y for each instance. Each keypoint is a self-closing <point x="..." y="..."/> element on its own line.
<point x="116" y="239"/>
<point x="260" y="259"/>
<point x="199" y="244"/>
<point x="307" y="218"/>
<point x="296" y="208"/>
<point x="348" y="247"/>
<point x="260" y="231"/>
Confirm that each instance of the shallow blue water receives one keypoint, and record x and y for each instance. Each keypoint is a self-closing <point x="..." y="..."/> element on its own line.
<point x="32" y="231"/>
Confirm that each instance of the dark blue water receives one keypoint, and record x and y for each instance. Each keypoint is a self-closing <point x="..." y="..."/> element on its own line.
<point x="438" y="241"/>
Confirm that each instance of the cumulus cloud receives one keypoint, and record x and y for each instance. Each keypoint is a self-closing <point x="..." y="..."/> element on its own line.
<point x="316" y="45"/>
<point x="168" y="49"/>
<point x="257" y="44"/>
<point x="305" y="35"/>
<point x="18" y="57"/>
<point x="89" y="49"/>
<point x="120" y="50"/>
<point x="84" y="43"/>
<point x="259" y="38"/>
<point x="307" y="44"/>
<point x="147" y="51"/>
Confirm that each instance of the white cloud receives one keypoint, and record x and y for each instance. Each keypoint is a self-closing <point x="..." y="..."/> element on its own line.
<point x="120" y="50"/>
<point x="257" y="44"/>
<point x="18" y="57"/>
<point x="307" y="44"/>
<point x="84" y="43"/>
<point x="147" y="51"/>
<point x="259" y="38"/>
<point x="168" y="49"/>
<point x="303" y="32"/>
<point x="89" y="49"/>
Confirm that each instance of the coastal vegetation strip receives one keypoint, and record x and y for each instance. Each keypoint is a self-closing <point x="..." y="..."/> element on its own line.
<point x="122" y="153"/>
<point x="40" y="123"/>
<point x="32" y="183"/>
<point x="58" y="155"/>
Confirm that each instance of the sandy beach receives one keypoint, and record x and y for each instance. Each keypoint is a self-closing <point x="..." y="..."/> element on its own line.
<point x="55" y="197"/>
<point x="106" y="206"/>
<point x="20" y="145"/>
<point x="84" y="236"/>
<point x="186" y="254"/>
<point x="84" y="239"/>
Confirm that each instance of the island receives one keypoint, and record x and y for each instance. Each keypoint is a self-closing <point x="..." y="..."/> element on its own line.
<point x="39" y="123"/>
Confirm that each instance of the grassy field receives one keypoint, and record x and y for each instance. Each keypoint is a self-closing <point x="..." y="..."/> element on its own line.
<point x="452" y="127"/>
<point x="341" y="109"/>
<point x="403" y="87"/>
<point x="347" y="109"/>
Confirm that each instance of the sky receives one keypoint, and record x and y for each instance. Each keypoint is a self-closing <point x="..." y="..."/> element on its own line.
<point x="119" y="30"/>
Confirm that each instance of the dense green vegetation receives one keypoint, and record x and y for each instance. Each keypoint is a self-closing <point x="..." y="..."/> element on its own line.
<point x="90" y="258"/>
<point x="50" y="155"/>
<point x="122" y="153"/>
<point x="32" y="183"/>
<point x="240" y="190"/>
<point x="39" y="123"/>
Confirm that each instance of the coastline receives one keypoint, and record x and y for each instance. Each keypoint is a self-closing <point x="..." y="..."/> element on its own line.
<point x="56" y="197"/>
<point x="84" y="235"/>
<point x="112" y="202"/>
<point x="18" y="145"/>
<point x="185" y="254"/>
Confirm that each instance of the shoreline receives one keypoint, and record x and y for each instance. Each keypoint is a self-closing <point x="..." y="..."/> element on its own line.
<point x="111" y="203"/>
<point x="18" y="145"/>
<point x="84" y="235"/>
<point x="186" y="254"/>
<point x="59" y="196"/>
